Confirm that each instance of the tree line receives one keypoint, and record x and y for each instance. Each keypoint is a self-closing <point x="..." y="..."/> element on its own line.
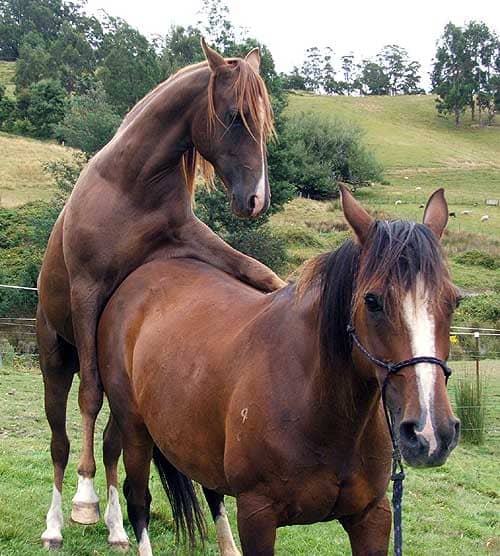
<point x="392" y="72"/>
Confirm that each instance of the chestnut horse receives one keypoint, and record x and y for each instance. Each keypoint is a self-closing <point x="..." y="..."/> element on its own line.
<point x="133" y="204"/>
<point x="265" y="398"/>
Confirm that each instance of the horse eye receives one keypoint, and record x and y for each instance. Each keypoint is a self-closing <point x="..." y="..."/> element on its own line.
<point x="234" y="117"/>
<point x="373" y="303"/>
<point x="458" y="301"/>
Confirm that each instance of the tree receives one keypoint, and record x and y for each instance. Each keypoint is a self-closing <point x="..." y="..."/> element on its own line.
<point x="482" y="48"/>
<point x="129" y="67"/>
<point x="451" y="75"/>
<point x="373" y="80"/>
<point x="294" y="80"/>
<point x="45" y="106"/>
<point x="34" y="61"/>
<point x="89" y="122"/>
<point x="403" y="74"/>
<point x="20" y="17"/>
<point x="181" y="48"/>
<point x="348" y="84"/>
<point x="215" y="24"/>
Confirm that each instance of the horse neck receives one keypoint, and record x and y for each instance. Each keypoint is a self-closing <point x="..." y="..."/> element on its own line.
<point x="149" y="144"/>
<point x="343" y="402"/>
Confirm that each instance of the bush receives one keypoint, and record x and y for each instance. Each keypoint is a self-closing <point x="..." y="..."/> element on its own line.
<point x="90" y="121"/>
<point x="321" y="151"/>
<point x="43" y="106"/>
<point x="251" y="236"/>
<point x="478" y="258"/>
<point x="479" y="310"/>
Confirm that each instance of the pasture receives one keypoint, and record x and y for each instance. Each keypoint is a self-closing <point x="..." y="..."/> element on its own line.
<point x="449" y="510"/>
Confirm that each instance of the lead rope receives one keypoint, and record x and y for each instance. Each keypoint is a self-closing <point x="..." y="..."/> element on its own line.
<point x="397" y="478"/>
<point x="397" y="473"/>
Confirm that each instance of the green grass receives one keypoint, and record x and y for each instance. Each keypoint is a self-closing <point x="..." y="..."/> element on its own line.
<point x="7" y="70"/>
<point x="449" y="510"/>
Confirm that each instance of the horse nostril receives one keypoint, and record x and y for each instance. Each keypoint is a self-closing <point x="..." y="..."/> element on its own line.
<point x="252" y="201"/>
<point x="407" y="433"/>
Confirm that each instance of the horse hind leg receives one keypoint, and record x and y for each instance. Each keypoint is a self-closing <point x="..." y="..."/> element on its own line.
<point x="113" y="517"/>
<point x="58" y="362"/>
<point x="85" y="505"/>
<point x="225" y="538"/>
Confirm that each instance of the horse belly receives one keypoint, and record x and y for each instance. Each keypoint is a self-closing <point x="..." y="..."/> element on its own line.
<point x="182" y="415"/>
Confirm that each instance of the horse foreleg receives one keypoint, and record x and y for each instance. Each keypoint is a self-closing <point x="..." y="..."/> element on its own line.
<point x="113" y="517"/>
<point x="85" y="307"/>
<point x="200" y="242"/>
<point x="58" y="363"/>
<point x="369" y="533"/>
<point x="225" y="539"/>
<point x="256" y="525"/>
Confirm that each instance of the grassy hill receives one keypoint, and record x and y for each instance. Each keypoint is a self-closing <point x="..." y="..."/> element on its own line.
<point x="22" y="175"/>
<point x="405" y="131"/>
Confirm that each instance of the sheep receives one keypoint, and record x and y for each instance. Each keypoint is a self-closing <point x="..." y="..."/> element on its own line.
<point x="484" y="218"/>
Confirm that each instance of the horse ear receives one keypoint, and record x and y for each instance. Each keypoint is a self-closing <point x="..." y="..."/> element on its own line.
<point x="214" y="59"/>
<point x="436" y="212"/>
<point x="253" y="58"/>
<point x="357" y="217"/>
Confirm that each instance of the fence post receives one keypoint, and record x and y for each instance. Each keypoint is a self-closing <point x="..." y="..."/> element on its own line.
<point x="1" y="359"/>
<point x="476" y="336"/>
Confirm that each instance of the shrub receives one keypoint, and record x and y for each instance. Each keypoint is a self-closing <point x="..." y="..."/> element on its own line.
<point x="321" y="151"/>
<point x="251" y="236"/>
<point x="478" y="258"/>
<point x="90" y="121"/>
<point x="479" y="310"/>
<point x="43" y="106"/>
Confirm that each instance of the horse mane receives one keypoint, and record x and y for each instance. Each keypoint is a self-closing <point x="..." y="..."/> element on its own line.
<point x="252" y="101"/>
<point x="395" y="254"/>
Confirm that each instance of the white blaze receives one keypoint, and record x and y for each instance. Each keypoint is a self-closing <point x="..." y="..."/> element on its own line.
<point x="260" y="189"/>
<point x="421" y="328"/>
<point x="54" y="519"/>
<point x="114" y="519"/>
<point x="224" y="535"/>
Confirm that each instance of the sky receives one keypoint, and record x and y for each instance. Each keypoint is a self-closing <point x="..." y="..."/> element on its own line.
<point x="289" y="28"/>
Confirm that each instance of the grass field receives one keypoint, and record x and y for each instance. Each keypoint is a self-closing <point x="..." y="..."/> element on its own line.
<point x="451" y="510"/>
<point x="22" y="177"/>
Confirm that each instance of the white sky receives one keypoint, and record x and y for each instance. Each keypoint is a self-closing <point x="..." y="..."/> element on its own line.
<point x="289" y="28"/>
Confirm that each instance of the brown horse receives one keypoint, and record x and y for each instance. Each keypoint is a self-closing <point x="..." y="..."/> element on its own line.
<point x="265" y="398"/>
<point x="133" y="204"/>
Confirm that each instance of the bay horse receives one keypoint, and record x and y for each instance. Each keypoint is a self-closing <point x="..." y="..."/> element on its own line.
<point x="266" y="397"/>
<point x="133" y="204"/>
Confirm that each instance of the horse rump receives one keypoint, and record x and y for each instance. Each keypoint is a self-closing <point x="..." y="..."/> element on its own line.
<point x="189" y="519"/>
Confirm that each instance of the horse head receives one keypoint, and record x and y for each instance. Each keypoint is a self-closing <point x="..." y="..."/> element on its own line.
<point x="403" y="302"/>
<point x="240" y="121"/>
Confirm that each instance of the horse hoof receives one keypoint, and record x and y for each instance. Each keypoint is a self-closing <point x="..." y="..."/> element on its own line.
<point x="119" y="546"/>
<point x="85" y="513"/>
<point x="51" y="544"/>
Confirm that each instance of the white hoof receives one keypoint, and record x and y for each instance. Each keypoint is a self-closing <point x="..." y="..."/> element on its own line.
<point x="85" y="513"/>
<point x="51" y="543"/>
<point x="85" y="506"/>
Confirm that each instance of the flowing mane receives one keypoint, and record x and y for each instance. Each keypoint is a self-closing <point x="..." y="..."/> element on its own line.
<point x="395" y="254"/>
<point x="251" y="97"/>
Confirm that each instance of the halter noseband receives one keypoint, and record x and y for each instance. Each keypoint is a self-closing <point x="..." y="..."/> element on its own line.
<point x="397" y="475"/>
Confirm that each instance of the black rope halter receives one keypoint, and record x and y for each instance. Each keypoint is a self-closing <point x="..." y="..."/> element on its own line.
<point x="397" y="473"/>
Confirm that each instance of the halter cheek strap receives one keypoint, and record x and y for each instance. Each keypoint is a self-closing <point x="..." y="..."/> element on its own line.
<point x="397" y="474"/>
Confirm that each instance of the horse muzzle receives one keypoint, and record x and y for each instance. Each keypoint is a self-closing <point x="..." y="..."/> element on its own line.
<point x="421" y="448"/>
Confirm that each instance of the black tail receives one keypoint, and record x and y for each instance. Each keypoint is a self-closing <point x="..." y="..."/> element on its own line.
<point x="188" y="516"/>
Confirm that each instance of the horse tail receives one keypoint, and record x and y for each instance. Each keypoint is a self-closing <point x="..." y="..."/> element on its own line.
<point x="188" y="516"/>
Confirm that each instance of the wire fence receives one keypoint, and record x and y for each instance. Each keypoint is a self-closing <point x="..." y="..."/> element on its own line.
<point x="474" y="357"/>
